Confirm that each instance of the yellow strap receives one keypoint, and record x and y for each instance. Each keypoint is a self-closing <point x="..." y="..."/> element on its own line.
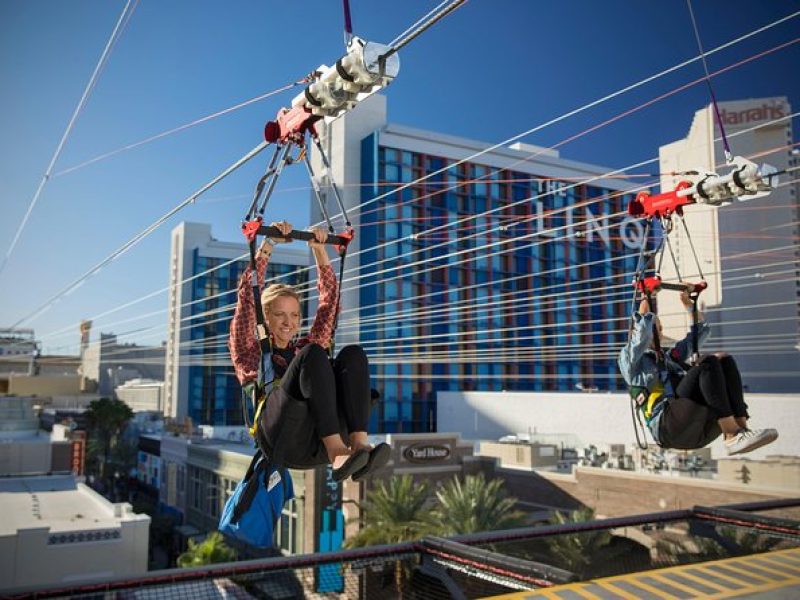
<point x="655" y="395"/>
<point x="257" y="416"/>
<point x="262" y="401"/>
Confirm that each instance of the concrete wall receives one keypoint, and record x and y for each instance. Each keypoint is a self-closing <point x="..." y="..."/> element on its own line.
<point x="613" y="493"/>
<point x="25" y="457"/>
<point x="44" y="385"/>
<point x="593" y="418"/>
<point x="144" y="396"/>
<point x="779" y="473"/>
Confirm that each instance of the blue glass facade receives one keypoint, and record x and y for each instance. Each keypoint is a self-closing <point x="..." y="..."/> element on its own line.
<point x="541" y="294"/>
<point x="214" y="393"/>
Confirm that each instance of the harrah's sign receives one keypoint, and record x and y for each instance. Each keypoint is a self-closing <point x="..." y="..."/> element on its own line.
<point x="768" y="111"/>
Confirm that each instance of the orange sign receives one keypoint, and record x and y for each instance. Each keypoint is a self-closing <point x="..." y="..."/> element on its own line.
<point x="78" y="455"/>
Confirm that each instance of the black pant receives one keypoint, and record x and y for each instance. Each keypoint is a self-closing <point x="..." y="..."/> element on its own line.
<point x="333" y="389"/>
<point x="709" y="391"/>
<point x="717" y="384"/>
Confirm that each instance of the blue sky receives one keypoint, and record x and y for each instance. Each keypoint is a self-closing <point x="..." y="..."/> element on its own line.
<point x="487" y="72"/>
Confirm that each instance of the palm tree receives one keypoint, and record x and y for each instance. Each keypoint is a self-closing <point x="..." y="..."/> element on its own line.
<point x="730" y="541"/>
<point x="395" y="512"/>
<point x="475" y="505"/>
<point x="576" y="551"/>
<point x="105" y="421"/>
<point x="211" y="550"/>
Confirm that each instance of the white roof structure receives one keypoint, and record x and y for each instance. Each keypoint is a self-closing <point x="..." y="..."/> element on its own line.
<point x="62" y="504"/>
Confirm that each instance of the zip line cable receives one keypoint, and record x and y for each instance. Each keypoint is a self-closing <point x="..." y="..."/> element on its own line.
<point x="453" y="165"/>
<point x="231" y="291"/>
<point x="140" y="236"/>
<point x="245" y="103"/>
<point x="376" y="353"/>
<point x="498" y="341"/>
<point x="551" y="299"/>
<point x="588" y="106"/>
<point x="422" y="25"/>
<point x="495" y="330"/>
<point x="127" y="11"/>
<point x="505" y="227"/>
<point x="720" y="124"/>
<point x="434" y="19"/>
<point x="231" y="306"/>
<point x="422" y="317"/>
<point x="593" y="350"/>
<point x="712" y="52"/>
<point x="205" y="343"/>
<point x="179" y="128"/>
<point x="418" y="23"/>
<point x="222" y="337"/>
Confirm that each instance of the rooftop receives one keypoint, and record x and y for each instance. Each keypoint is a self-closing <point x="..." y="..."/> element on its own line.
<point x="58" y="502"/>
<point x="690" y="553"/>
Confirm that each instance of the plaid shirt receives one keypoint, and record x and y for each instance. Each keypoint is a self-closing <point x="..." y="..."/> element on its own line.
<point x="243" y="341"/>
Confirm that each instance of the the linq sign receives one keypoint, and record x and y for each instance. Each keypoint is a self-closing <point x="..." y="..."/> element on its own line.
<point x="426" y="453"/>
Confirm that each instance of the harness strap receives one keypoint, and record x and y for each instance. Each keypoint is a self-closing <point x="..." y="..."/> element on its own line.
<point x="332" y="344"/>
<point x="260" y="405"/>
<point x="695" y="329"/>
<point x="261" y="323"/>
<point x="251" y="487"/>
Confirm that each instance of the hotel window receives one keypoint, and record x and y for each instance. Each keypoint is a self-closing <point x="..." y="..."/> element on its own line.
<point x="229" y="486"/>
<point x="287" y="528"/>
<point x="196" y="489"/>
<point x="213" y="495"/>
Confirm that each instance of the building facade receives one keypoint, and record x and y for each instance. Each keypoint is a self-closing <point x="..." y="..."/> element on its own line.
<point x="592" y="419"/>
<point x="17" y="342"/>
<point x="505" y="272"/>
<point x="204" y="274"/>
<point x="141" y="394"/>
<point x="106" y="364"/>
<point x="749" y="251"/>
<point x="60" y="531"/>
<point x="23" y="370"/>
<point x="24" y="448"/>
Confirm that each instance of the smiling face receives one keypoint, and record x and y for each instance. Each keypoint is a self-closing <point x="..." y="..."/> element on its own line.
<point x="283" y="319"/>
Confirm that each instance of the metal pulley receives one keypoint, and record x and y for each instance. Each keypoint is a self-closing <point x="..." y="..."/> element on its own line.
<point x="366" y="68"/>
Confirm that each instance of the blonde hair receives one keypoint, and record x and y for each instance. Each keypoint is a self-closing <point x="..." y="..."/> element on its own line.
<point x="275" y="291"/>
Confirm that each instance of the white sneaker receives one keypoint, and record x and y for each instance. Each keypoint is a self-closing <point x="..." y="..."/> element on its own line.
<point x="750" y="439"/>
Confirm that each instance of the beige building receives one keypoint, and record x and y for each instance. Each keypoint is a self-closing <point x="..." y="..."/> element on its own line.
<point x="57" y="530"/>
<point x="44" y="385"/>
<point x="749" y="251"/>
<point x="42" y="376"/>
<point x="106" y="363"/>
<point x="779" y="473"/>
<point x="521" y="455"/>
<point x="141" y="394"/>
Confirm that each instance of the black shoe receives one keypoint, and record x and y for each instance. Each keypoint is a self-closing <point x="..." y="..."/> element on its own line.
<point x="357" y="461"/>
<point x="378" y="457"/>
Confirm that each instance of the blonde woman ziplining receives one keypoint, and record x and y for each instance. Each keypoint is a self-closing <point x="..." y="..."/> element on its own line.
<point x="297" y="368"/>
